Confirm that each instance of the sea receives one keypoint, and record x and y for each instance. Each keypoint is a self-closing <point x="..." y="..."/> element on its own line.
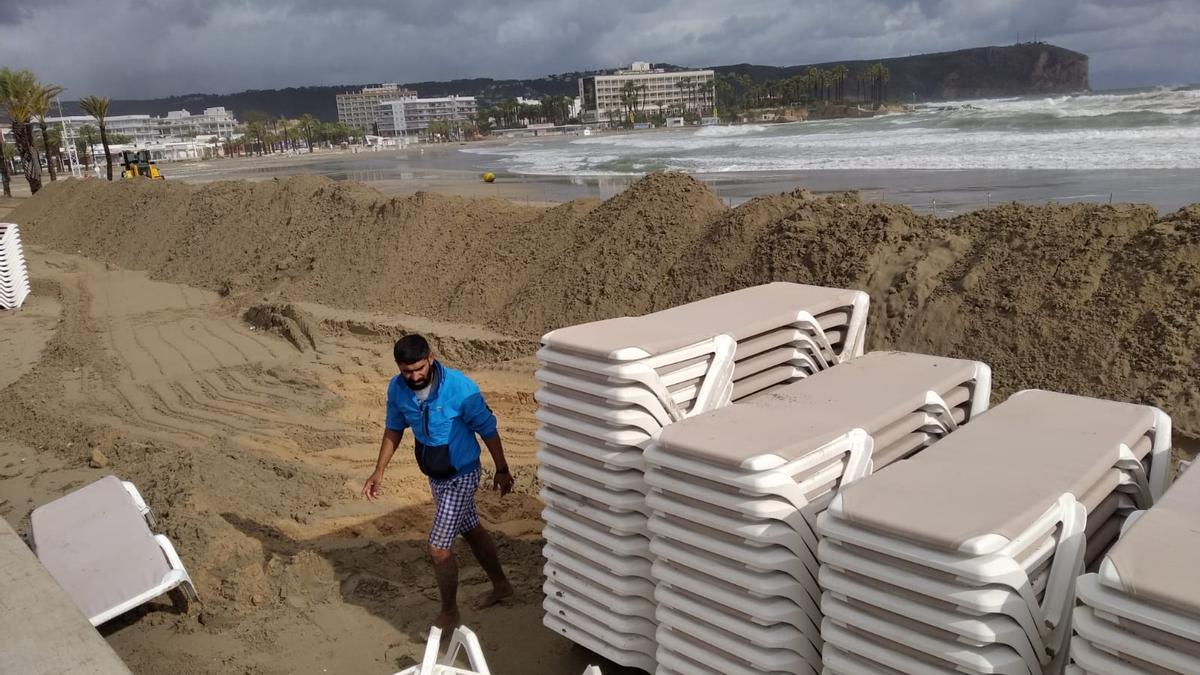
<point x="1139" y="145"/>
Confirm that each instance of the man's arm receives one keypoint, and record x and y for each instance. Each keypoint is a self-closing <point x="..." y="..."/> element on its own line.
<point x="387" y="448"/>
<point x="479" y="418"/>
<point x="504" y="479"/>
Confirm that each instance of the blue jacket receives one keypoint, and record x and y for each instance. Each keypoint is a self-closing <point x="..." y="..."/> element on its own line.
<point x="444" y="426"/>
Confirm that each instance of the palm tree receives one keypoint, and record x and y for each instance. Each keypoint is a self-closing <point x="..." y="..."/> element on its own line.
<point x="629" y="99"/>
<point x="839" y="75"/>
<point x="41" y="105"/>
<point x="813" y="76"/>
<point x="97" y="107"/>
<point x="4" y="178"/>
<point x="86" y="133"/>
<point x="307" y="124"/>
<point x="685" y="88"/>
<point x="283" y="121"/>
<point x="18" y="93"/>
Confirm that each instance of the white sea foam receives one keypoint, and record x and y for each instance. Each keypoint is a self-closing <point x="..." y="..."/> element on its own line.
<point x="1144" y="129"/>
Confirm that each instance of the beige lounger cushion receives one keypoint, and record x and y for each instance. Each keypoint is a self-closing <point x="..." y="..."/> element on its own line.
<point x="98" y="547"/>
<point x="740" y="314"/>
<point x="1157" y="557"/>
<point x="999" y="473"/>
<point x="869" y="392"/>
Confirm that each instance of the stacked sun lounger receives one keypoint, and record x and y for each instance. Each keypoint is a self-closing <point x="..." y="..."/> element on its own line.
<point x="97" y="544"/>
<point x="964" y="558"/>
<point x="14" y="279"/>
<point x="1140" y="614"/>
<point x="608" y="388"/>
<point x="733" y="494"/>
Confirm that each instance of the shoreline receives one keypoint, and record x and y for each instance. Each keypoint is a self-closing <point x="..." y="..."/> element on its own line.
<point x="442" y="168"/>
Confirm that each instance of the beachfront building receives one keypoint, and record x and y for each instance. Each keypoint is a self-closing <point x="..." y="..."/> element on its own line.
<point x="137" y="128"/>
<point x="216" y="121"/>
<point x="411" y="116"/>
<point x="603" y="97"/>
<point x="146" y="129"/>
<point x="360" y="109"/>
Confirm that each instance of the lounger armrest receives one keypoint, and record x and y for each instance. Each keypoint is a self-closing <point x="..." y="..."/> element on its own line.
<point x="178" y="575"/>
<point x="140" y="503"/>
<point x="464" y="639"/>
<point x="1160" y="455"/>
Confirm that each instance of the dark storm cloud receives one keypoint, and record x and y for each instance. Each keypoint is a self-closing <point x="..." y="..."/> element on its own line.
<point x="144" y="48"/>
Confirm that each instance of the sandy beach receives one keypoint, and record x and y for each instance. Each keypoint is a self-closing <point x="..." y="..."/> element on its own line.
<point x="134" y="356"/>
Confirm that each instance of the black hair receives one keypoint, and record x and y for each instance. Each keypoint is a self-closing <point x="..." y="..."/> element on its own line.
<point x="410" y="349"/>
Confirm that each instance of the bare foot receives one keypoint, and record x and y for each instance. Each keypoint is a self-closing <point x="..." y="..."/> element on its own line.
<point x="447" y="620"/>
<point x="499" y="592"/>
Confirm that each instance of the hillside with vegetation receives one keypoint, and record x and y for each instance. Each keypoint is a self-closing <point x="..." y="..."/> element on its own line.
<point x="1015" y="70"/>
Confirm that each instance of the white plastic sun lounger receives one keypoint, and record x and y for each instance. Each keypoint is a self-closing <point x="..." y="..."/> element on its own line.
<point x="462" y="640"/>
<point x="586" y="616"/>
<point x="1111" y="639"/>
<point x="990" y="658"/>
<point x="42" y="632"/>
<point x="558" y="539"/>
<point x="97" y="544"/>
<point x="714" y="660"/>
<point x="793" y="424"/>
<point x="619" y="542"/>
<point x="977" y="511"/>
<point x="757" y="582"/>
<point x="703" y="337"/>
<point x="602" y="608"/>
<point x="559" y="577"/>
<point x="977" y="631"/>
<point x="740" y="314"/>
<point x="584" y="633"/>
<point x="1088" y="659"/>
<point x="768" y="609"/>
<point x="1143" y="605"/>
<point x="722" y="641"/>
<point x="743" y="626"/>
<point x="14" y="278"/>
<point x="597" y="571"/>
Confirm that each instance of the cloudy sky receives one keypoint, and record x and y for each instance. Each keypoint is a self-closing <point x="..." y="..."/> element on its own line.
<point x="150" y="48"/>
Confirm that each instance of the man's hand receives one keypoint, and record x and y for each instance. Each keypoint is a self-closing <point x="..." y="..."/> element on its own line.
<point x="503" y="481"/>
<point x="372" y="488"/>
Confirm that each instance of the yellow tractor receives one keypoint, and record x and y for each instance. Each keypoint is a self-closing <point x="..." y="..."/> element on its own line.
<point x="139" y="165"/>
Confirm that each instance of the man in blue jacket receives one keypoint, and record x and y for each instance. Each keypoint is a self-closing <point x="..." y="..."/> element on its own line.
<point x="445" y="411"/>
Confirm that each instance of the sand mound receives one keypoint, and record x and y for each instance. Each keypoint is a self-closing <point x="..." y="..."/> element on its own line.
<point x="1101" y="300"/>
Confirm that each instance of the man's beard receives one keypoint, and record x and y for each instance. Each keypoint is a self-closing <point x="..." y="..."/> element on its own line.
<point x="418" y="386"/>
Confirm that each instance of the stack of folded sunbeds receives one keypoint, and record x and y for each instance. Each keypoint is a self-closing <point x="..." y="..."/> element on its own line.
<point x="1140" y="614"/>
<point x="608" y="388"/>
<point x="964" y="558"/>
<point x="14" y="279"/>
<point x="733" y="494"/>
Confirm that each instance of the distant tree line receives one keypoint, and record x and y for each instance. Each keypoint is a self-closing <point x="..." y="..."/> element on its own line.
<point x="737" y="93"/>
<point x="263" y="134"/>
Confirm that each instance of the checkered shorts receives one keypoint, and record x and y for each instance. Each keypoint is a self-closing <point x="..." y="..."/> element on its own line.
<point x="455" y="501"/>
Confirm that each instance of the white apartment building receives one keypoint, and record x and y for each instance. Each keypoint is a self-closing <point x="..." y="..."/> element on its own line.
<point x="411" y="115"/>
<point x="658" y="90"/>
<point x="361" y="109"/>
<point x="139" y="128"/>
<point x="212" y="122"/>
<point x="147" y="129"/>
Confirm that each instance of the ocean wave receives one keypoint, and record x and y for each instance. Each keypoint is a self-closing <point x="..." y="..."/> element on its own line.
<point x="722" y="132"/>
<point x="1145" y="129"/>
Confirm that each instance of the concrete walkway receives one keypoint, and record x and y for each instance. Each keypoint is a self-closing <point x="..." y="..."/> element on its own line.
<point x="41" y="630"/>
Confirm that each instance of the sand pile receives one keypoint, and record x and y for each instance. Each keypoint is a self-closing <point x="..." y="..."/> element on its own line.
<point x="1092" y="299"/>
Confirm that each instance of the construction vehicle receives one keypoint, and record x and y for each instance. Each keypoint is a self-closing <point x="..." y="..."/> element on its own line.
<point x="137" y="164"/>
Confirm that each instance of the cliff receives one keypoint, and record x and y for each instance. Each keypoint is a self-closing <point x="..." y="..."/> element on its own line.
<point x="981" y="72"/>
